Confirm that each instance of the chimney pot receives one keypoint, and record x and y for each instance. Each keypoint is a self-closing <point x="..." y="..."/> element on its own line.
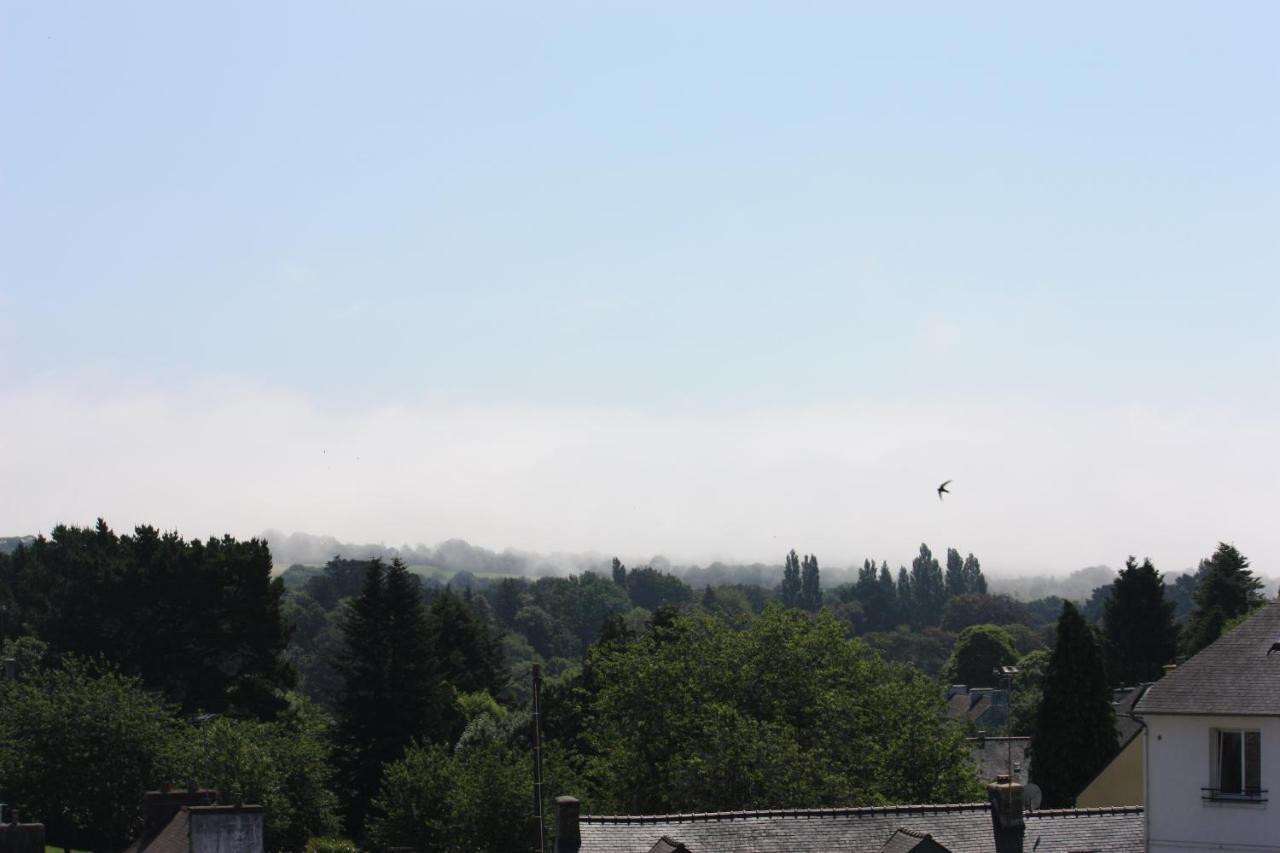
<point x="1006" y="802"/>
<point x="568" y="835"/>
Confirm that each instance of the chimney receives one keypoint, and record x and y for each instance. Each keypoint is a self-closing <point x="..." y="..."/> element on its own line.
<point x="1169" y="667"/>
<point x="21" y="837"/>
<point x="159" y="807"/>
<point x="1006" y="802"/>
<point x="218" y="829"/>
<point x="568" y="837"/>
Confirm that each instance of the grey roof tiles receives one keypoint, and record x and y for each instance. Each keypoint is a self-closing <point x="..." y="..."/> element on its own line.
<point x="1234" y="675"/>
<point x="964" y="828"/>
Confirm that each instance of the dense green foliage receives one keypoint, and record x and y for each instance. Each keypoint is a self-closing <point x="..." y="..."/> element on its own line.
<point x="282" y="766"/>
<point x="199" y="620"/>
<point x="662" y="692"/>
<point x="698" y="716"/>
<point x="979" y="651"/>
<point x="1139" y="634"/>
<point x="1226" y="591"/>
<point x="1075" y="734"/>
<point x="78" y="745"/>
<point x="391" y="687"/>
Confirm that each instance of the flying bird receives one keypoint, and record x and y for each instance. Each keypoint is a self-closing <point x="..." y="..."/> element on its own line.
<point x="943" y="490"/>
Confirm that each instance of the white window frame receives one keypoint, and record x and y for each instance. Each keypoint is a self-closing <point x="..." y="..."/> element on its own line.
<point x="1216" y="789"/>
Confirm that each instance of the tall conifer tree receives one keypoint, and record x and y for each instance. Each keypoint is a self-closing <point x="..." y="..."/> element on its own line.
<point x="389" y="691"/>
<point x="810" y="585"/>
<point x="1137" y="625"/>
<point x="1075" y="732"/>
<point x="929" y="589"/>
<point x="973" y="579"/>
<point x="955" y="574"/>
<point x="1227" y="589"/>
<point x="791" y="580"/>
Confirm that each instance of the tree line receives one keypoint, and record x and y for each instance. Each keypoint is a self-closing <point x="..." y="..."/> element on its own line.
<point x="362" y="699"/>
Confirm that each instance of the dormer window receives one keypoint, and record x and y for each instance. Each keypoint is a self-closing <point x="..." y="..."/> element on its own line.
<point x="1237" y="765"/>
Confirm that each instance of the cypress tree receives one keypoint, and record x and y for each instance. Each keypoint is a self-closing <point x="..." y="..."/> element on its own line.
<point x="906" y="596"/>
<point x="791" y="580"/>
<point x="1075" y="732"/>
<point x="955" y="574"/>
<point x="973" y="579"/>
<point x="1139" y="633"/>
<point x="929" y="589"/>
<point x="810" y="585"/>
<point x="889" y="598"/>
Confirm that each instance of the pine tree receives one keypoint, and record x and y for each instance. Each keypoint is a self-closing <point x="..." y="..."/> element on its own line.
<point x="1075" y="734"/>
<point x="1139" y="633"/>
<point x="791" y="580"/>
<point x="973" y="580"/>
<point x="810" y="585"/>
<point x="362" y="663"/>
<point x="1227" y="590"/>
<point x="956" y="581"/>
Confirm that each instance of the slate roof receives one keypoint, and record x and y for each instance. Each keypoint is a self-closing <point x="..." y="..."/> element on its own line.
<point x="668" y="845"/>
<point x="964" y="828"/>
<point x="174" y="837"/>
<point x="910" y="841"/>
<point x="991" y="754"/>
<point x="1127" y="728"/>
<point x="1232" y="676"/>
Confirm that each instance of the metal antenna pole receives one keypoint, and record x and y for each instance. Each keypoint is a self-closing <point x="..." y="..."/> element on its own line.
<point x="537" y="756"/>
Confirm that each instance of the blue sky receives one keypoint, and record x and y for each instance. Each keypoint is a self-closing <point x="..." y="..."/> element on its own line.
<point x="672" y="220"/>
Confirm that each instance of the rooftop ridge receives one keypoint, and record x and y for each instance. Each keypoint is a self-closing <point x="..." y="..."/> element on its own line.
<point x="852" y="811"/>
<point x="1087" y="812"/>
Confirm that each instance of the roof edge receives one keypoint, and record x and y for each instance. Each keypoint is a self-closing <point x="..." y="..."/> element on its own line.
<point x="853" y="811"/>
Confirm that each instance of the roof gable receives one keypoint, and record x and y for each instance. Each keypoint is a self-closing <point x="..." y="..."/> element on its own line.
<point x="1237" y="674"/>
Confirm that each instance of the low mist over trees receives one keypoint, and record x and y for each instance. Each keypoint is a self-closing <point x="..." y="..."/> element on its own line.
<point x="392" y="701"/>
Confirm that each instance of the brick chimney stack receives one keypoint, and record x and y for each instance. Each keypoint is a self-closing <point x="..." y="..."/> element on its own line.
<point x="568" y="836"/>
<point x="1006" y="802"/>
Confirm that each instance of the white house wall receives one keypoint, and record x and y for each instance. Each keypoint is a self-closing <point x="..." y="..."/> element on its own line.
<point x="1178" y="767"/>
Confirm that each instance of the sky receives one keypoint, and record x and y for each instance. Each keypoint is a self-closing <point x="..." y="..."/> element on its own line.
<point x="709" y="280"/>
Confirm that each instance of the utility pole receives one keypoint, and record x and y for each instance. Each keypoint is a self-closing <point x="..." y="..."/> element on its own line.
<point x="537" y="757"/>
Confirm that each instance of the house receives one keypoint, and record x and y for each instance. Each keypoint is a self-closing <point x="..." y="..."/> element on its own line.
<point x="1213" y="744"/>
<point x="985" y="707"/>
<point x="1120" y="782"/>
<point x="191" y="821"/>
<point x="1000" y="825"/>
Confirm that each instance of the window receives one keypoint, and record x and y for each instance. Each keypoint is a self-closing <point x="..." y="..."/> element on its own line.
<point x="1237" y="765"/>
